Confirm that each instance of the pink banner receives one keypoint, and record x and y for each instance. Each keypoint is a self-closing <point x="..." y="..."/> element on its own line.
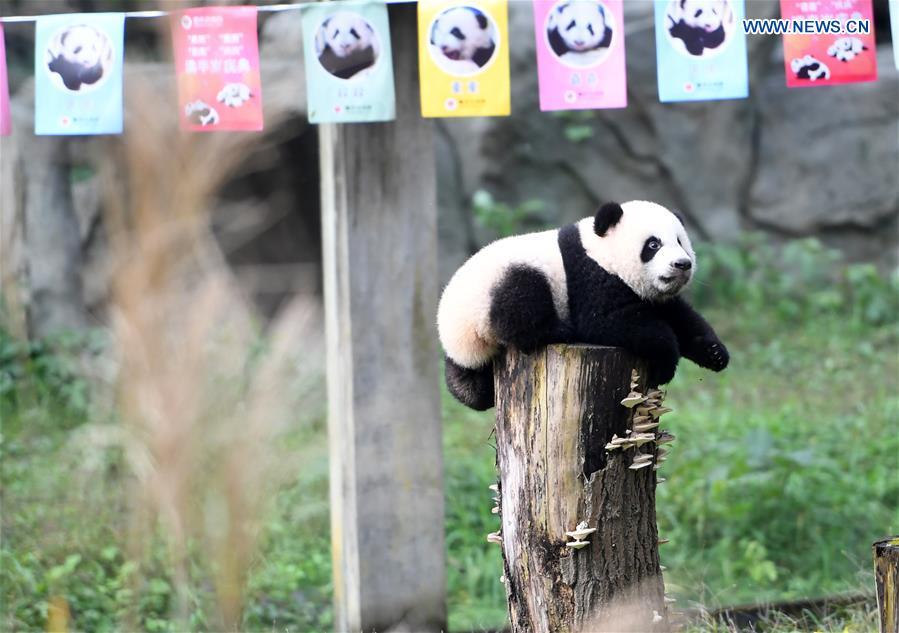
<point x="580" y="54"/>
<point x="837" y="50"/>
<point x="5" y="120"/>
<point x="217" y="63"/>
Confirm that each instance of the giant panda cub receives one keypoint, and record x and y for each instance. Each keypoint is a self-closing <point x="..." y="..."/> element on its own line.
<point x="612" y="279"/>
<point x="846" y="49"/>
<point x="808" y="67"/>
<point x="346" y="44"/>
<point x="577" y="31"/>
<point x="463" y="39"/>
<point x="699" y="24"/>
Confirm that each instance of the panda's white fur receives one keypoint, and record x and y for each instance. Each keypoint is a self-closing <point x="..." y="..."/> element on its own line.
<point x="463" y="316"/>
<point x="846" y="49"/>
<point x="581" y="24"/>
<point x="707" y="15"/>
<point x="234" y="95"/>
<point x="461" y="33"/>
<point x="201" y="113"/>
<point x="810" y="68"/>
<point x="345" y="33"/>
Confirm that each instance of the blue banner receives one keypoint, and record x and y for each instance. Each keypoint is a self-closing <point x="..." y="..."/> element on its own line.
<point x="894" y="24"/>
<point x="78" y="73"/>
<point x="701" y="50"/>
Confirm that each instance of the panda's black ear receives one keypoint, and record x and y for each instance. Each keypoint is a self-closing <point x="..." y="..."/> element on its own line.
<point x="608" y="216"/>
<point x="482" y="19"/>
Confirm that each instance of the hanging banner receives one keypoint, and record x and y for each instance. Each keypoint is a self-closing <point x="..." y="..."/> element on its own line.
<point x="820" y="59"/>
<point x="580" y="54"/>
<point x="349" y="63"/>
<point x="701" y="50"/>
<point x="5" y="118"/>
<point x="78" y="73"/>
<point x="894" y="25"/>
<point x="217" y="63"/>
<point x="463" y="54"/>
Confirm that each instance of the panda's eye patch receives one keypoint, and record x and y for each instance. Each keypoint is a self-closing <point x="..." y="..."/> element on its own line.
<point x="355" y="34"/>
<point x="571" y="25"/>
<point x="650" y="247"/>
<point x="698" y="13"/>
<point x="77" y="49"/>
<point x="457" y="33"/>
<point x="590" y="28"/>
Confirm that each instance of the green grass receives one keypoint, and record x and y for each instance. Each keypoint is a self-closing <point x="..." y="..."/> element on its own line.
<point x="784" y="472"/>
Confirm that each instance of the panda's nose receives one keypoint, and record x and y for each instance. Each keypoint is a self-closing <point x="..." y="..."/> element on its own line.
<point x="683" y="264"/>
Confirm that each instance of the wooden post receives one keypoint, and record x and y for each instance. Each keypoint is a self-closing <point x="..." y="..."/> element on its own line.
<point x="379" y="234"/>
<point x="886" y="578"/>
<point x="555" y="412"/>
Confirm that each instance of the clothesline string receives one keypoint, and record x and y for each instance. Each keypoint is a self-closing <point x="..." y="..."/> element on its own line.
<point x="266" y="8"/>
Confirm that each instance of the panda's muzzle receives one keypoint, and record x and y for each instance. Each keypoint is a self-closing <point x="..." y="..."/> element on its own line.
<point x="680" y="273"/>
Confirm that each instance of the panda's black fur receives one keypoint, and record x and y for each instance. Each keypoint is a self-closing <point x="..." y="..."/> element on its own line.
<point x="603" y="310"/>
<point x="73" y="74"/>
<point x="696" y="39"/>
<point x="806" y="71"/>
<point x="482" y="55"/>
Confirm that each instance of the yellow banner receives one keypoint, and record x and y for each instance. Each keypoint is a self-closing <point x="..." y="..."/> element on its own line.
<point x="463" y="56"/>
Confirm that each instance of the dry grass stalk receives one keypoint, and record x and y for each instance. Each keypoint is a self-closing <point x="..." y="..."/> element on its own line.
<point x="204" y="408"/>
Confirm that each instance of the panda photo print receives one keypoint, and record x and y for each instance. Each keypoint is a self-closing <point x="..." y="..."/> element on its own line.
<point x="701" y="51"/>
<point x="349" y="63"/>
<point x="78" y="73"/>
<point x="463" y="55"/>
<point x="217" y="63"/>
<point x="820" y="59"/>
<point x="580" y="54"/>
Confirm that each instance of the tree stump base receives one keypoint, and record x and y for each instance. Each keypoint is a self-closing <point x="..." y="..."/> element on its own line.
<point x="556" y="411"/>
<point x="886" y="578"/>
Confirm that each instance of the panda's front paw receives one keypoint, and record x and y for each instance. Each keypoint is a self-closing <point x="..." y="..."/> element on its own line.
<point x="711" y="354"/>
<point x="660" y="373"/>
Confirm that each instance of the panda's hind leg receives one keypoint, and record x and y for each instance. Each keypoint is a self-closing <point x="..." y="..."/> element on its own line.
<point x="522" y="312"/>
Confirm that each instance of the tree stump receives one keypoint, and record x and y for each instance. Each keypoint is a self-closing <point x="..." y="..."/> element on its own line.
<point x="556" y="410"/>
<point x="886" y="578"/>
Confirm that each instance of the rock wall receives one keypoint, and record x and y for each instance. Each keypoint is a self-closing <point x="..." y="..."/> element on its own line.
<point x="792" y="162"/>
<point x="803" y="162"/>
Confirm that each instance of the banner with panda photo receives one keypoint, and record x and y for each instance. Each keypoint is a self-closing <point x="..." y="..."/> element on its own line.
<point x="463" y="56"/>
<point x="78" y="73"/>
<point x="5" y="119"/>
<point x="826" y="59"/>
<point x="349" y="63"/>
<point x="580" y="54"/>
<point x="217" y="64"/>
<point x="701" y="50"/>
<point x="894" y="25"/>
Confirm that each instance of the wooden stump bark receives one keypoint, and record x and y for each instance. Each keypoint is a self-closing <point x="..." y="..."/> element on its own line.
<point x="886" y="578"/>
<point x="556" y="410"/>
